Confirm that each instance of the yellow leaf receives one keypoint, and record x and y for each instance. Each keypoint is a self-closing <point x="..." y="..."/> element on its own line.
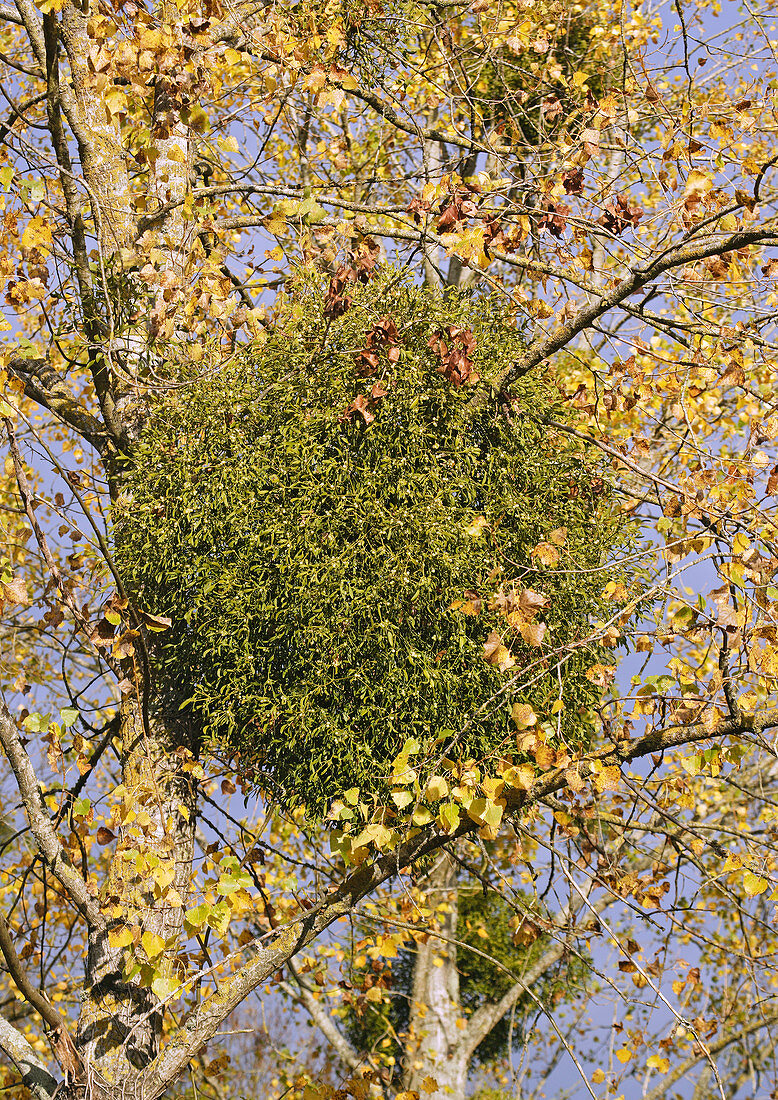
<point x="152" y="944"/>
<point x="698" y="184"/>
<point x="598" y="1077"/>
<point x="608" y="779"/>
<point x="523" y="715"/>
<point x="754" y="884"/>
<point x="15" y="591"/>
<point x="165" y="988"/>
<point x="120" y="937"/>
<point x="485" y="812"/>
<point x="436" y="789"/>
<point x="37" y="234"/>
<point x="559" y="536"/>
<point x="532" y="633"/>
<point x="546" y="553"/>
<point x="476" y="527"/>
<point x="623" y="1055"/>
<point x="574" y="779"/>
<point x="150" y="39"/>
<point x="448" y="817"/>
<point x="469" y="245"/>
<point x="498" y="654"/>
<point x="315" y="80"/>
<point x="521" y="777"/>
<point x="656" y="1061"/>
<point x="422" y="816"/>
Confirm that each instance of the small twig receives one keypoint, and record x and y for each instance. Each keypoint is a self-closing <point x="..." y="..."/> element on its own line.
<point x="56" y="575"/>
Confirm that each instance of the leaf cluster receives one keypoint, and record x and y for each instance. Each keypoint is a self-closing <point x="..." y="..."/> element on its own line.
<point x="322" y="515"/>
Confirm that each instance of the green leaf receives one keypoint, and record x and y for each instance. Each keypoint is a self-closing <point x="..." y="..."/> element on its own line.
<point x="36" y="722"/>
<point x="195" y="918"/>
<point x="448" y="817"/>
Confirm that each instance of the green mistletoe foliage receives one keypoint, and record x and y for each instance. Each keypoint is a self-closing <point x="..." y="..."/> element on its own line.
<point x="361" y="540"/>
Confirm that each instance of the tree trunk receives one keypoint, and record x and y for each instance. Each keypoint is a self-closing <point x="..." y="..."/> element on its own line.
<point x="432" y="1049"/>
<point x="146" y="891"/>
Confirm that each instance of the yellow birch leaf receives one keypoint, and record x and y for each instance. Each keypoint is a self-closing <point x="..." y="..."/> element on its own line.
<point x="754" y="884"/>
<point x="37" y="234"/>
<point x="523" y="715"/>
<point x="546" y="553"/>
<point x="698" y="184"/>
<point x="608" y="779"/>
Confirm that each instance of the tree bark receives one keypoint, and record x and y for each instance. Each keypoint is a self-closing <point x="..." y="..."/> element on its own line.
<point x="433" y="1049"/>
<point x="148" y="883"/>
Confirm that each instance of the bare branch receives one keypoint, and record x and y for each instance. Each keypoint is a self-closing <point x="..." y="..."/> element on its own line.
<point x="51" y="850"/>
<point x="61" y="1042"/>
<point x="715" y="1047"/>
<point x="350" y="1058"/>
<point x="10" y="15"/>
<point x="43" y="385"/>
<point x="640" y="276"/>
<point x="39" y="1002"/>
<point x="485" y="1018"/>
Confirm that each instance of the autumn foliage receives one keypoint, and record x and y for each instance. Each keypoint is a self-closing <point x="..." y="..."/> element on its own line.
<point x="389" y="569"/>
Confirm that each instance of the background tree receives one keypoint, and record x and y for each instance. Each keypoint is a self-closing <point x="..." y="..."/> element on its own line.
<point x="162" y="170"/>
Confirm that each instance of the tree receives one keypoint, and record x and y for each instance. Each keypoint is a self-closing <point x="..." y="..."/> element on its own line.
<point x="163" y="173"/>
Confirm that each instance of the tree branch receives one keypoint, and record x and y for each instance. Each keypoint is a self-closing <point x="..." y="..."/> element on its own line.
<point x="10" y="15"/>
<point x="715" y="1047"/>
<point x="61" y="1042"/>
<point x="485" y="1018"/>
<point x="350" y="1058"/>
<point x="33" y="1071"/>
<point x="39" y="1002"/>
<point x="264" y="961"/>
<point x="46" y="838"/>
<point x="640" y="276"/>
<point x="43" y="385"/>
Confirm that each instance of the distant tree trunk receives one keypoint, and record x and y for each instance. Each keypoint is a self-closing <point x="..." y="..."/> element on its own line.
<point x="433" y="1049"/>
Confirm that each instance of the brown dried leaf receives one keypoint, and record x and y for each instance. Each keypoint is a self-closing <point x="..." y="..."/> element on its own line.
<point x="102" y="633"/>
<point x="15" y="591"/>
<point x="532" y="633"/>
<point x="496" y="653"/>
<point x="531" y="602"/>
